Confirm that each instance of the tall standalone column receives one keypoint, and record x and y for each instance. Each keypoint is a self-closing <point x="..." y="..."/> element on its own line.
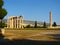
<point x="50" y="19"/>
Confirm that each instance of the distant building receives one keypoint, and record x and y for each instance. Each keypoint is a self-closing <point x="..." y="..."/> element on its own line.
<point x="32" y="23"/>
<point x="15" y="22"/>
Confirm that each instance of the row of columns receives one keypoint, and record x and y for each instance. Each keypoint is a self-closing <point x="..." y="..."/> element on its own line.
<point x="15" y="22"/>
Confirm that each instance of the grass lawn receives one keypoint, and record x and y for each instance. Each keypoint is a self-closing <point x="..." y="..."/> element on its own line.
<point x="32" y="33"/>
<point x="32" y="29"/>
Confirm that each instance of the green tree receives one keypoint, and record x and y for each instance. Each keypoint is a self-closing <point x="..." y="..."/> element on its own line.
<point x="3" y="25"/>
<point x="28" y="26"/>
<point x="3" y="11"/>
<point x="54" y="24"/>
<point x="1" y="3"/>
<point x="35" y="26"/>
<point x="44" y="25"/>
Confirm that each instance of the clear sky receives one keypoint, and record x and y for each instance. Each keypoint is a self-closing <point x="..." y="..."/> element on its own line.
<point x="34" y="9"/>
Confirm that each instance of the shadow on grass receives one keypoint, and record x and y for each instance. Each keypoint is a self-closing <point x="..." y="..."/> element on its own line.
<point x="28" y="42"/>
<point x="55" y="36"/>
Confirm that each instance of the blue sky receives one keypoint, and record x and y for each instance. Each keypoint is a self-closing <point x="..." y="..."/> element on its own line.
<point x="33" y="9"/>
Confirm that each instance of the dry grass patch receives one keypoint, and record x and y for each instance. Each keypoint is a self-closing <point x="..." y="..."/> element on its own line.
<point x="44" y="38"/>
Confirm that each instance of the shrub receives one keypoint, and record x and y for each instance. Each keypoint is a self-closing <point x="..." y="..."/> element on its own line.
<point x="54" y="24"/>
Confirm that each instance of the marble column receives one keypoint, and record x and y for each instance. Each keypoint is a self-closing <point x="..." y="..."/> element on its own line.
<point x="50" y="19"/>
<point x="12" y="22"/>
<point x="17" y="22"/>
<point x="22" y="22"/>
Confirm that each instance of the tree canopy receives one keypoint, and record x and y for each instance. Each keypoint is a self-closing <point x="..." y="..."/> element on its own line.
<point x="54" y="24"/>
<point x="35" y="26"/>
<point x="1" y="3"/>
<point x="44" y="25"/>
<point x="3" y="11"/>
